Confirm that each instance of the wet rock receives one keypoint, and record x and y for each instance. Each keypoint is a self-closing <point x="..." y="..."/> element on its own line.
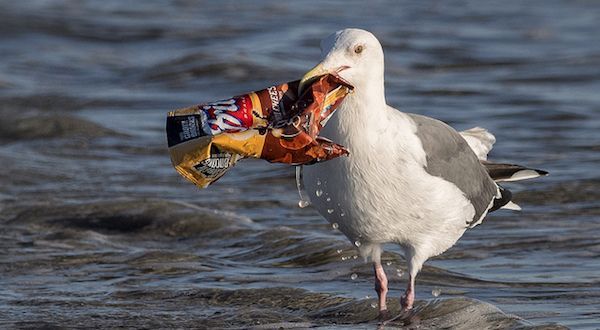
<point x="297" y="306"/>
<point x="455" y="313"/>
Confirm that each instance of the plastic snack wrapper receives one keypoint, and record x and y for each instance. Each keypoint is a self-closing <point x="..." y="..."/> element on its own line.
<point x="275" y="124"/>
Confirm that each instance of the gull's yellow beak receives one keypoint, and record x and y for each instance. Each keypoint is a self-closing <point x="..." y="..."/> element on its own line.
<point x="310" y="76"/>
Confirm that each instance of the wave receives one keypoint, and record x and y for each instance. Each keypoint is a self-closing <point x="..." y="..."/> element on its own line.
<point x="129" y="216"/>
<point x="40" y="126"/>
<point x="285" y="307"/>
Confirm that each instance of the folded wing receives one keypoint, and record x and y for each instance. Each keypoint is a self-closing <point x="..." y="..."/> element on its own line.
<point x="481" y="142"/>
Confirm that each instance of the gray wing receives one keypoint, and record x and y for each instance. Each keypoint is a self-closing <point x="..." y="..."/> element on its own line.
<point x="450" y="157"/>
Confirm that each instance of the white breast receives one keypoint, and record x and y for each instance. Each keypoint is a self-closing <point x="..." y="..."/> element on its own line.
<point x="381" y="192"/>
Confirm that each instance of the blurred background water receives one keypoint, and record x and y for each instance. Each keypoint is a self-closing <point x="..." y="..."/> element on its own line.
<point x="98" y="230"/>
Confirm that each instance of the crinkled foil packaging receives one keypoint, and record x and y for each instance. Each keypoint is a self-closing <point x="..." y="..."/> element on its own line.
<point x="275" y="124"/>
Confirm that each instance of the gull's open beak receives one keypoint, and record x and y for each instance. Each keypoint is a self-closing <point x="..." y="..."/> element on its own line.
<point x="310" y="76"/>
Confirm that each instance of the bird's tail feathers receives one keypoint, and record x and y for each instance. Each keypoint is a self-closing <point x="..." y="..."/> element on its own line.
<point x="480" y="140"/>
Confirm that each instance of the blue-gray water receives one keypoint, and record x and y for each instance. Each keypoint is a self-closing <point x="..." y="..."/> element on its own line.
<point x="98" y="230"/>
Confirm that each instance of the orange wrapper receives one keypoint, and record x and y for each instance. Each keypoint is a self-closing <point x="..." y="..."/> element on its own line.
<point x="275" y="124"/>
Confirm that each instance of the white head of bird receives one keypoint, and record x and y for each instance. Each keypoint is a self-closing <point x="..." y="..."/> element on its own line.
<point x="357" y="57"/>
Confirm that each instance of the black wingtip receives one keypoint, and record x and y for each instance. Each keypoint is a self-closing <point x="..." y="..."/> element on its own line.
<point x="542" y="172"/>
<point x="505" y="197"/>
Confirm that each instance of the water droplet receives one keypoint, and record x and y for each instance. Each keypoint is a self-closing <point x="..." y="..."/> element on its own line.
<point x="329" y="211"/>
<point x="373" y="305"/>
<point x="354" y="276"/>
<point x="339" y="251"/>
<point x="354" y="257"/>
<point x="319" y="192"/>
<point x="342" y="214"/>
<point x="302" y="204"/>
<point x="335" y="226"/>
<point x="389" y="263"/>
<point x="367" y="297"/>
<point x="399" y="272"/>
<point x="344" y="258"/>
<point x="304" y="200"/>
<point x="436" y="292"/>
<point x="357" y="243"/>
<point x="318" y="182"/>
<point x="328" y="199"/>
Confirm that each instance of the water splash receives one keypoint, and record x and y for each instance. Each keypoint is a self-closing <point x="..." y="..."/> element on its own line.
<point x="304" y="200"/>
<point x="353" y="276"/>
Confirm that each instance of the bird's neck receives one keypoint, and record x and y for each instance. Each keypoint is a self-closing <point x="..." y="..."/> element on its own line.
<point x="364" y="107"/>
<point x="361" y="113"/>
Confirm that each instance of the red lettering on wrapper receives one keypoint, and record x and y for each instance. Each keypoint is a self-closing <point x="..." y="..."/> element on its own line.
<point x="228" y="116"/>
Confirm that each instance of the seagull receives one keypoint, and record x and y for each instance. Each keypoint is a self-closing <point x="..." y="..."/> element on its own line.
<point x="409" y="179"/>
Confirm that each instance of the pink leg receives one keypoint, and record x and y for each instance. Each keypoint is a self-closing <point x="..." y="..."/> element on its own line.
<point x="408" y="298"/>
<point x="381" y="287"/>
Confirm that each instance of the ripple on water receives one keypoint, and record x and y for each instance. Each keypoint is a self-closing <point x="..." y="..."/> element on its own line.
<point x="129" y="216"/>
<point x="74" y="79"/>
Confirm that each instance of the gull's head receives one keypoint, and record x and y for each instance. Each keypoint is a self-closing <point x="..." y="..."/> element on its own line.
<point x="353" y="54"/>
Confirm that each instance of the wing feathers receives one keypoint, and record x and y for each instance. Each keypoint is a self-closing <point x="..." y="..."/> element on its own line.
<point x="510" y="172"/>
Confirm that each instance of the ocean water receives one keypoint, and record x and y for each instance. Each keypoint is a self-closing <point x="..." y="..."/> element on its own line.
<point x="98" y="230"/>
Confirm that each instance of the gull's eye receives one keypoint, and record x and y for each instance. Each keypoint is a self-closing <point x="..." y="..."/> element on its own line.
<point x="358" y="49"/>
